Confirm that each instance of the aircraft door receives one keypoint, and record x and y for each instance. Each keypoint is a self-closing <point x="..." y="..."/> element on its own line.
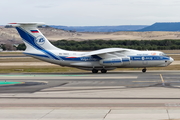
<point x="126" y="61"/>
<point x="145" y="62"/>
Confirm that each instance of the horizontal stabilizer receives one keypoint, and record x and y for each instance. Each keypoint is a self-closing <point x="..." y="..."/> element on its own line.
<point x="28" y="24"/>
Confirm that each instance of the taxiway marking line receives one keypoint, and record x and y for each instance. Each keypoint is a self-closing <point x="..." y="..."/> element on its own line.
<point x="163" y="83"/>
<point x="144" y="81"/>
<point x="43" y="75"/>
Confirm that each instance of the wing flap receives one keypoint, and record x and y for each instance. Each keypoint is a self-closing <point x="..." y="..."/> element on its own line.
<point x="104" y="51"/>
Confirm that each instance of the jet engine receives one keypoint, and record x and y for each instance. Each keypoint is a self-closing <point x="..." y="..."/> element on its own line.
<point x="115" y="61"/>
<point x="111" y="62"/>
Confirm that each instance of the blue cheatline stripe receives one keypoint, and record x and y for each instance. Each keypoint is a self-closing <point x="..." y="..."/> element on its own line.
<point x="148" y="58"/>
<point x="125" y="60"/>
<point x="64" y="57"/>
<point x="111" y="61"/>
<point x="80" y="58"/>
<point x="30" y="40"/>
<point x="38" y="55"/>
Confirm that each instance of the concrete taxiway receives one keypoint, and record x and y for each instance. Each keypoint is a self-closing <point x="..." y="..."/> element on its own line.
<point x="129" y="95"/>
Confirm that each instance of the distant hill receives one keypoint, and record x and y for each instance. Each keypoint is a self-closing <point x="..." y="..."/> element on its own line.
<point x="170" y="26"/>
<point x="100" y="28"/>
<point x="10" y="35"/>
<point x="157" y="31"/>
<point x="159" y="26"/>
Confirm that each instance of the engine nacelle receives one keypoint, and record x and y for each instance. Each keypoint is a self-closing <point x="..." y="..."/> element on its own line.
<point x="111" y="62"/>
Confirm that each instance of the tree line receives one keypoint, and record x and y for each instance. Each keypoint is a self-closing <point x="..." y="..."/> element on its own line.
<point x="99" y="44"/>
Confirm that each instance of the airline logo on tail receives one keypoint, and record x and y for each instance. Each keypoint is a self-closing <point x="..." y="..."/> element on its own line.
<point x="40" y="40"/>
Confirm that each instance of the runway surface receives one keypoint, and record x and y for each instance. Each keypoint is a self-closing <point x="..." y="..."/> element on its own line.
<point x="112" y="96"/>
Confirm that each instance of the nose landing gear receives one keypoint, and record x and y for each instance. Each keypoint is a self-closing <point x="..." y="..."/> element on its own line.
<point x="144" y="70"/>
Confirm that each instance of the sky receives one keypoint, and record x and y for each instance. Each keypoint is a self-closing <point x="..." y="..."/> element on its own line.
<point x="90" y="12"/>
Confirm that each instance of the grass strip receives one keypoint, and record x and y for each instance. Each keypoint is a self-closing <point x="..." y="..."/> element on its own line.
<point x="59" y="69"/>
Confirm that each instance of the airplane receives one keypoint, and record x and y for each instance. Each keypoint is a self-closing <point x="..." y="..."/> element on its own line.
<point x="39" y="47"/>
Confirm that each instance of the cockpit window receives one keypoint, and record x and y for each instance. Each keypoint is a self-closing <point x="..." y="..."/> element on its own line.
<point x="163" y="54"/>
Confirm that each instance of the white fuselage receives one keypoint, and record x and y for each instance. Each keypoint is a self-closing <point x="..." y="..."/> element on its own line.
<point x="132" y="58"/>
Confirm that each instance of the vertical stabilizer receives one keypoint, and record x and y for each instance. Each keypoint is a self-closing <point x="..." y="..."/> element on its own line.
<point x="36" y="43"/>
<point x="32" y="37"/>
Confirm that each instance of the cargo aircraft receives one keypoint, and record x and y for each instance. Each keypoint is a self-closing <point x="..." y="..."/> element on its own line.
<point x="39" y="47"/>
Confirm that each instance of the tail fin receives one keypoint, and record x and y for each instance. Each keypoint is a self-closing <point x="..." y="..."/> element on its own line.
<point x="32" y="37"/>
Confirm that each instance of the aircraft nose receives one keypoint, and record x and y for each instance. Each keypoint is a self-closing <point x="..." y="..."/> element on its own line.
<point x="171" y="60"/>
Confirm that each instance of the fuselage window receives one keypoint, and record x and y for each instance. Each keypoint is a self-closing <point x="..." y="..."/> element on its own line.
<point x="163" y="54"/>
<point x="66" y="53"/>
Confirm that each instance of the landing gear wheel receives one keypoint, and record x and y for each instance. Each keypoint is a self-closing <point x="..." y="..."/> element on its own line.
<point x="144" y="70"/>
<point x="103" y="71"/>
<point x="94" y="71"/>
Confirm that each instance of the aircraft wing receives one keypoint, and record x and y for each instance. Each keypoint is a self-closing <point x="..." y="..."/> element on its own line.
<point x="105" y="51"/>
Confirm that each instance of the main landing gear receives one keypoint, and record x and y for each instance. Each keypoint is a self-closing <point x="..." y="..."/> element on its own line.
<point x="103" y="71"/>
<point x="144" y="70"/>
<point x="96" y="71"/>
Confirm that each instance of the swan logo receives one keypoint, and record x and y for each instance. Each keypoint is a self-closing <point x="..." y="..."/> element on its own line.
<point x="153" y="53"/>
<point x="40" y="40"/>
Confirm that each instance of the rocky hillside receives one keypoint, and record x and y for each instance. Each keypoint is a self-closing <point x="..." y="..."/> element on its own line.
<point x="11" y="35"/>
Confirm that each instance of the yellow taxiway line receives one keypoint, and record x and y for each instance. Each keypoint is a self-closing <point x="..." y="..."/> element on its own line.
<point x="163" y="83"/>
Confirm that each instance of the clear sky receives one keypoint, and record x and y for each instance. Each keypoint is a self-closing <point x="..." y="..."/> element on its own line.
<point x="90" y="12"/>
